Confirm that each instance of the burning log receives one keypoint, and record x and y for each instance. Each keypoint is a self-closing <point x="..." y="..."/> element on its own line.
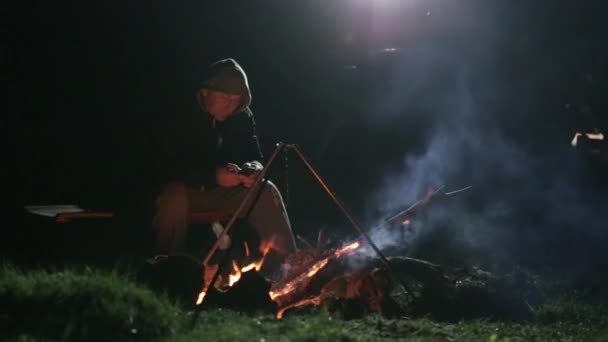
<point x="301" y="271"/>
<point x="298" y="278"/>
<point x="314" y="278"/>
<point x="369" y="288"/>
<point x="229" y="278"/>
<point x="332" y="280"/>
<point x="250" y="293"/>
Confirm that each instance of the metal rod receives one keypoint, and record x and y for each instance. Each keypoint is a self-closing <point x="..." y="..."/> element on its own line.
<point x="207" y="285"/>
<point x="457" y="191"/>
<point x="413" y="206"/>
<point x="352" y="220"/>
<point x="303" y="240"/>
<point x="206" y="288"/>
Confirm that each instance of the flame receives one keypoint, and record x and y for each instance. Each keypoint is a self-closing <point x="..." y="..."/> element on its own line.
<point x="246" y="248"/>
<point x="207" y="275"/>
<point x="237" y="271"/>
<point x="200" y="298"/>
<point x="406" y="221"/>
<point x="257" y="265"/>
<point x="254" y="265"/>
<point x="234" y="277"/>
<point x="267" y="245"/>
<point x="316" y="267"/>
<point x="347" y="248"/>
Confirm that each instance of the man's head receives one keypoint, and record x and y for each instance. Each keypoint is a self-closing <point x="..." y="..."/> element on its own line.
<point x="225" y="90"/>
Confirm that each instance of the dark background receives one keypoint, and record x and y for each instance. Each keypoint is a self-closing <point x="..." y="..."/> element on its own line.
<point x="91" y="85"/>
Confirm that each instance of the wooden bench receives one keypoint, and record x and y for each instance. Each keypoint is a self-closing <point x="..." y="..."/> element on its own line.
<point x="193" y="217"/>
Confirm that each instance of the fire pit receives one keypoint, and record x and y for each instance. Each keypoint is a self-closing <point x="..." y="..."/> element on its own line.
<point x="314" y="276"/>
<point x="311" y="277"/>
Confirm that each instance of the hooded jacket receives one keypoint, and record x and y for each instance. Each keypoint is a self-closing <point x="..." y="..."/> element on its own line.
<point x="198" y="145"/>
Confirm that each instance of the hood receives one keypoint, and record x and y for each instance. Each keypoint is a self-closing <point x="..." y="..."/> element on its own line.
<point x="227" y="76"/>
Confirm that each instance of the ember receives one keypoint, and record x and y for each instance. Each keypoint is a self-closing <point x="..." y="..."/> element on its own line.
<point x="290" y="286"/>
<point x="234" y="277"/>
<point x="348" y="248"/>
<point x="302" y="279"/>
<point x="313" y="301"/>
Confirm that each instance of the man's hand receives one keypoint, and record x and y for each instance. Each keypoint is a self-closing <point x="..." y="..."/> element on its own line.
<point x="248" y="180"/>
<point x="250" y="171"/>
<point x="228" y="175"/>
<point x="251" y="167"/>
<point x="232" y="175"/>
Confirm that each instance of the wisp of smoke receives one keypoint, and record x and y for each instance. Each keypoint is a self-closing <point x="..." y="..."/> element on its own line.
<point x="520" y="198"/>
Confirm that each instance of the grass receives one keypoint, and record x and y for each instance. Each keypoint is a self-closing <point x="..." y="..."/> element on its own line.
<point x="82" y="304"/>
<point x="322" y="327"/>
<point x="94" y="305"/>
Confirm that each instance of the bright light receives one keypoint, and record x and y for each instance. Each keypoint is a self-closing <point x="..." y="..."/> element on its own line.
<point x="590" y="136"/>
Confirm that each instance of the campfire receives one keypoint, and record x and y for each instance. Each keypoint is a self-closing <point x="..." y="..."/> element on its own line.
<point x="303" y="275"/>
<point x="355" y="278"/>
<point x="307" y="277"/>
<point x="300" y="277"/>
<point x="317" y="275"/>
<point x="223" y="284"/>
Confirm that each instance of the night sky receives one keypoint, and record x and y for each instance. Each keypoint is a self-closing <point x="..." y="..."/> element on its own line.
<point x="360" y="85"/>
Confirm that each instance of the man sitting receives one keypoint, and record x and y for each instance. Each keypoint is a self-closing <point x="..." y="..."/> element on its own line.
<point x="205" y="171"/>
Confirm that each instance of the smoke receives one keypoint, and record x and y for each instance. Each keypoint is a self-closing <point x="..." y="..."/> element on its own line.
<point x="460" y="150"/>
<point x="528" y="204"/>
